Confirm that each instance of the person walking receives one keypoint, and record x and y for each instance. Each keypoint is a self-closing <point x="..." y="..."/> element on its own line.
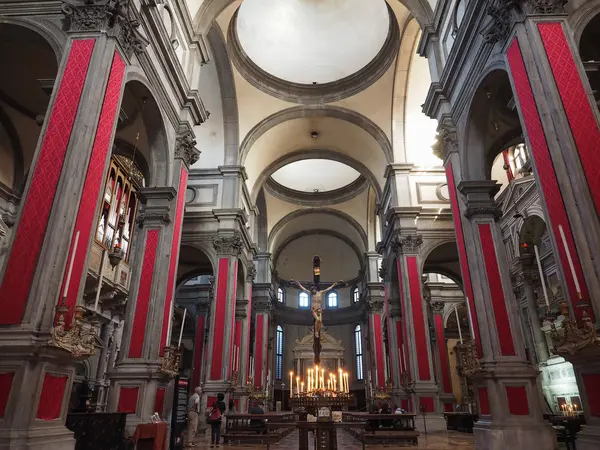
<point x="193" y="412"/>
<point x="215" y="419"/>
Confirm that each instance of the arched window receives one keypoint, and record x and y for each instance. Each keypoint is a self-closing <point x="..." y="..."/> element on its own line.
<point x="279" y="354"/>
<point x="355" y="295"/>
<point x="280" y="295"/>
<point x="359" y="353"/>
<point x="332" y="300"/>
<point x="303" y="300"/>
<point x="119" y="205"/>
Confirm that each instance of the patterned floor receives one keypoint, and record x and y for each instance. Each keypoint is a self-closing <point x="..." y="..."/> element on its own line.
<point x="442" y="441"/>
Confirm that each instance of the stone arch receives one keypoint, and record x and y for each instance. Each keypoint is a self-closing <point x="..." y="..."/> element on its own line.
<point x="335" y="112"/>
<point x="441" y="256"/>
<point x="195" y="259"/>
<point x="581" y="18"/>
<point x="54" y="36"/>
<point x="160" y="151"/>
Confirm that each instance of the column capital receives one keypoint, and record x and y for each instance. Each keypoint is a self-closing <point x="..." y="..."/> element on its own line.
<point x="118" y="18"/>
<point x="437" y="307"/>
<point x="241" y="309"/>
<point x="228" y="245"/>
<point x="383" y="270"/>
<point x="376" y="297"/>
<point x="446" y="142"/>
<point x="263" y="305"/>
<point x="407" y="245"/>
<point x="156" y="209"/>
<point x="251" y="273"/>
<point x="185" y="148"/>
<point x="202" y="308"/>
<point x="479" y="198"/>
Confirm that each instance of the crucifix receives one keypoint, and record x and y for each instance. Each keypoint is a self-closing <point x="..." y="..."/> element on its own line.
<point x="316" y="305"/>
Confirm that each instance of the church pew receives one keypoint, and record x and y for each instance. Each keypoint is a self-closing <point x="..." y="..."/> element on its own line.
<point x="401" y="429"/>
<point x="238" y="428"/>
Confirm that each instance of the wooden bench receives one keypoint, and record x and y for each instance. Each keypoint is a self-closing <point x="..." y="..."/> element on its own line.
<point x="401" y="429"/>
<point x="243" y="428"/>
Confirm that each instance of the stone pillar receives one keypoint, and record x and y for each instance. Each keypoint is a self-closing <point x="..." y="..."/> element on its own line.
<point x="199" y="350"/>
<point x="398" y="358"/>
<point x="219" y="365"/>
<point x="136" y="376"/>
<point x="441" y="356"/>
<point x="53" y="235"/>
<point x="553" y="99"/>
<point x="376" y="302"/>
<point x="529" y="275"/>
<point x="510" y="414"/>
<point x="262" y="306"/>
<point x="417" y="344"/>
<point x="243" y="321"/>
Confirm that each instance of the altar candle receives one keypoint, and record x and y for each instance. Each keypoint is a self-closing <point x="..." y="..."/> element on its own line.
<point x="322" y="378"/>
<point x="376" y="378"/>
<point x="298" y="384"/>
<point x="334" y="383"/>
<point x="571" y="266"/>
<point x="404" y="358"/>
<point x="302" y="386"/>
<point x="68" y="281"/>
<point x="341" y="380"/>
<point x="458" y="323"/>
<point x="347" y="384"/>
<point x="470" y="319"/>
<point x="291" y="384"/>
<point x="182" y="324"/>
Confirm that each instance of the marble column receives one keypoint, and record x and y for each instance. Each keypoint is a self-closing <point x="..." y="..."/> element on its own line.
<point x="529" y="274"/>
<point x="59" y="208"/>
<point x="199" y="349"/>
<point x="262" y="324"/>
<point x="417" y="343"/>
<point x="376" y="303"/>
<point x="219" y="365"/>
<point x="243" y="321"/>
<point x="510" y="414"/>
<point x="441" y="356"/>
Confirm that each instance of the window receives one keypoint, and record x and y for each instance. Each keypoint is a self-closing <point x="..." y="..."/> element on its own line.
<point x="332" y="300"/>
<point x="280" y="295"/>
<point x="359" y="355"/>
<point x="119" y="205"/>
<point x="279" y="354"/>
<point x="355" y="295"/>
<point x="303" y="300"/>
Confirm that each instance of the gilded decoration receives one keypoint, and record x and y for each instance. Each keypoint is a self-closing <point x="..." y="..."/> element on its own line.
<point x="469" y="364"/>
<point x="169" y="366"/>
<point x="572" y="337"/>
<point x="81" y="340"/>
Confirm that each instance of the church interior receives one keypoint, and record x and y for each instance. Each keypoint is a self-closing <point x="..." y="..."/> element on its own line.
<point x="350" y="222"/>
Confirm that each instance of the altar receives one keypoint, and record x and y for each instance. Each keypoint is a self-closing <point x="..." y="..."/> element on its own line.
<point x="332" y="353"/>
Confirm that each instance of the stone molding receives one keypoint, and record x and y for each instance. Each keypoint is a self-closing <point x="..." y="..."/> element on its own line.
<point x="251" y="273"/>
<point x="383" y="270"/>
<point x="117" y="17"/>
<point x="446" y="142"/>
<point x="407" y="245"/>
<point x="437" y="307"/>
<point x="241" y="307"/>
<point x="163" y="217"/>
<point x="263" y="305"/>
<point x="185" y="148"/>
<point x="479" y="198"/>
<point x="229" y="245"/>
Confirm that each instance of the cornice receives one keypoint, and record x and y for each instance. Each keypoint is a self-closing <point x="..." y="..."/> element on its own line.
<point x="321" y="93"/>
<point x="327" y="198"/>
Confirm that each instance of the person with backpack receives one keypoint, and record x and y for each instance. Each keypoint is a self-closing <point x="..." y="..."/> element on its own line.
<point x="215" y="419"/>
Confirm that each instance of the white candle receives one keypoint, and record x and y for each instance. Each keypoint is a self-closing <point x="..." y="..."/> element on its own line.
<point x="297" y="384"/>
<point x="458" y="323"/>
<point x="404" y="358"/>
<point x="341" y="380"/>
<point x="470" y="318"/>
<point x="302" y="387"/>
<point x="72" y="260"/>
<point x="347" y="384"/>
<point x="539" y="264"/>
<point x="376" y="378"/>
<point x="571" y="266"/>
<point x="182" y="324"/>
<point x="291" y="384"/>
<point x="238" y="359"/>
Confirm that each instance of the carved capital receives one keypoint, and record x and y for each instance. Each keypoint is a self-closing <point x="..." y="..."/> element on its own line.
<point x="153" y="217"/>
<point x="383" y="270"/>
<point x="263" y="306"/>
<point x="251" y="273"/>
<point x="375" y="305"/>
<point x="500" y="20"/>
<point x="118" y="18"/>
<point x="446" y="142"/>
<point x="230" y="245"/>
<point x="544" y="6"/>
<point x="437" y="307"/>
<point x="407" y="245"/>
<point x="486" y="211"/>
<point x="185" y="148"/>
<point x="241" y="308"/>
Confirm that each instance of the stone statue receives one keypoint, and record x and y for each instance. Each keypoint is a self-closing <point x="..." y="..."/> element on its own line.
<point x="316" y="305"/>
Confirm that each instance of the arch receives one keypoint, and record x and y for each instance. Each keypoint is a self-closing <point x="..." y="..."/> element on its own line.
<point x="210" y="10"/>
<point x="298" y="112"/>
<point x="195" y="258"/>
<point x="322" y="232"/>
<point x="313" y="153"/>
<point x="15" y="142"/>
<point x="581" y="18"/>
<point x="489" y="124"/>
<point x="161" y="153"/>
<point x="54" y="36"/>
<point x="218" y="47"/>
<point x="441" y="256"/>
<point x="327" y="211"/>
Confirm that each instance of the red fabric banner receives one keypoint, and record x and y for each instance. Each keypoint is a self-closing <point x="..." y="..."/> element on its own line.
<point x="143" y="298"/>
<point x="216" y="367"/>
<point x="378" y="346"/>
<point x="234" y="279"/>
<point x="591" y="382"/>
<point x="6" y="380"/>
<point x="258" y="351"/>
<point x="416" y="300"/>
<point x="442" y="348"/>
<point x="128" y="397"/>
<point x="517" y="400"/>
<point x="484" y="401"/>
<point x="87" y="214"/>
<point x="31" y="229"/>
<point x="507" y="347"/>
<point x="51" y="397"/>
<point x="426" y="404"/>
<point x="159" y="400"/>
<point x="177" y="226"/>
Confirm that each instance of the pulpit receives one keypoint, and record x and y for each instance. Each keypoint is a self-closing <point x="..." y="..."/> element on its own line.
<point x="151" y="436"/>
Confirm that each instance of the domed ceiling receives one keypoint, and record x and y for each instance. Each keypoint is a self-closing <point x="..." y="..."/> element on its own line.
<point x="312" y="41"/>
<point x="315" y="175"/>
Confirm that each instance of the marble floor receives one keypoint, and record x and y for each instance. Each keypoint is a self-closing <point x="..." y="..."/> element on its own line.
<point x="450" y="440"/>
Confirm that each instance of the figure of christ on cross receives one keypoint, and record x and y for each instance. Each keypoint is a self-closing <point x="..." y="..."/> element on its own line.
<point x="316" y="304"/>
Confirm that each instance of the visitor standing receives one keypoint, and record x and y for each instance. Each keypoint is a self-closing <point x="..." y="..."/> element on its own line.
<point x="215" y="419"/>
<point x="193" y="412"/>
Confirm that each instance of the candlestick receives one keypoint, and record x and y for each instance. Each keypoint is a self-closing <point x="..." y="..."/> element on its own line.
<point x="291" y="384"/>
<point x="458" y="323"/>
<point x="571" y="266"/>
<point x="302" y="387"/>
<point x="181" y="331"/>
<point x="539" y="264"/>
<point x="470" y="318"/>
<point x="322" y="378"/>
<point x="298" y="384"/>
<point x="341" y="380"/>
<point x="71" y="261"/>
<point x="347" y="384"/>
<point x="376" y="378"/>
